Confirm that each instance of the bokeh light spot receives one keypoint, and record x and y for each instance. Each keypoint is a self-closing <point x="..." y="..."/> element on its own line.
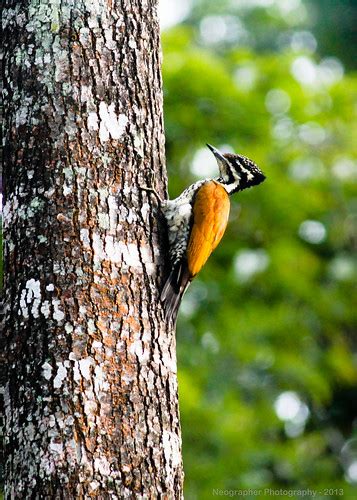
<point x="247" y="263"/>
<point x="172" y="12"/>
<point x="277" y="101"/>
<point x="312" y="231"/>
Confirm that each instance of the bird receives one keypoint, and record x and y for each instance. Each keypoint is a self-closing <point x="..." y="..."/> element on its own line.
<point x="196" y="221"/>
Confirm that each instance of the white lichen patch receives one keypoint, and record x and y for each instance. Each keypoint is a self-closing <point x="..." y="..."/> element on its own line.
<point x="51" y="421"/>
<point x="109" y="42"/>
<point x="111" y="125"/>
<point x="113" y="210"/>
<point x="23" y="306"/>
<point x="169" y="361"/>
<point x="69" y="421"/>
<point x="98" y="249"/>
<point x="50" y="287"/>
<point x="22" y="112"/>
<point x="131" y="255"/>
<point x="140" y="349"/>
<point x="92" y="121"/>
<point x="36" y="203"/>
<point x="61" y="65"/>
<point x="102" y="466"/>
<point x="46" y="370"/>
<point x="117" y="251"/>
<point x="30" y="432"/>
<point x="76" y="373"/>
<point x="132" y="43"/>
<point x="100" y="383"/>
<point x="131" y="217"/>
<point x="84" y="367"/>
<point x="127" y="378"/>
<point x="67" y="189"/>
<point x="56" y="447"/>
<point x="150" y="380"/>
<point x="96" y="11"/>
<point x="60" y="375"/>
<point x="146" y="257"/>
<point x="68" y="173"/>
<point x="103" y="220"/>
<point x="58" y="314"/>
<point x="8" y="210"/>
<point x="112" y="249"/>
<point x="45" y="309"/>
<point x="93" y="486"/>
<point x="82" y="457"/>
<point x="68" y="328"/>
<point x="70" y="126"/>
<point x="47" y="466"/>
<point x="91" y="325"/>
<point x="49" y="193"/>
<point x="145" y="210"/>
<point x="34" y="291"/>
<point x="172" y="446"/>
<point x="84" y="235"/>
<point x="86" y="94"/>
<point x="97" y="345"/>
<point x="31" y="294"/>
<point x="90" y="406"/>
<point x="84" y="37"/>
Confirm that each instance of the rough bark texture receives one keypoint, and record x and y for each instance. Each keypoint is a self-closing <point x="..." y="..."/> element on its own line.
<point x="91" y="392"/>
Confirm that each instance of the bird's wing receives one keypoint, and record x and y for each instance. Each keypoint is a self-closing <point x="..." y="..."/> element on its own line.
<point x="210" y="217"/>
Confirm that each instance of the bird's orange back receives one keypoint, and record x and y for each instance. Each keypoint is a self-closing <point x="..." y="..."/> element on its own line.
<point x="210" y="218"/>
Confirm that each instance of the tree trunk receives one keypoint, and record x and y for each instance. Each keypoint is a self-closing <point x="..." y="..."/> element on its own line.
<point x="91" y="390"/>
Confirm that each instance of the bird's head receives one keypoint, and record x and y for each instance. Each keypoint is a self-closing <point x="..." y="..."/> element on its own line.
<point x="237" y="172"/>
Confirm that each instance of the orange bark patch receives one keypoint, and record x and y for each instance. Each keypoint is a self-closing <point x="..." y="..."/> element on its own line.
<point x="102" y="326"/>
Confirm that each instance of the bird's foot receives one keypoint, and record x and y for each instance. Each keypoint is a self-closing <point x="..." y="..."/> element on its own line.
<point x="152" y="190"/>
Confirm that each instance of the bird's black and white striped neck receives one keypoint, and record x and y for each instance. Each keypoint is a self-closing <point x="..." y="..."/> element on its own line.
<point x="237" y="172"/>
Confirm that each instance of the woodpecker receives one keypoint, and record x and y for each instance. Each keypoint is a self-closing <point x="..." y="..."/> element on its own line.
<point x="196" y="222"/>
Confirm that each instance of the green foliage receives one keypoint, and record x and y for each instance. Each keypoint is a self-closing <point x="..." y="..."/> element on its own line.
<point x="270" y="320"/>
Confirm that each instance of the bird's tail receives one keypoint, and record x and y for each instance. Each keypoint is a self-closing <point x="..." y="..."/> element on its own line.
<point x="172" y="293"/>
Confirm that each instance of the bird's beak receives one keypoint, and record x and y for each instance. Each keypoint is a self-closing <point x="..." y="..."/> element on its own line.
<point x="217" y="153"/>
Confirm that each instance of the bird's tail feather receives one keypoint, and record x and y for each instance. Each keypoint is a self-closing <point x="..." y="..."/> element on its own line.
<point x="172" y="293"/>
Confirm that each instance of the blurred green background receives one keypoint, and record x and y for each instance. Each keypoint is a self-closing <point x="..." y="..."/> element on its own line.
<point x="267" y="332"/>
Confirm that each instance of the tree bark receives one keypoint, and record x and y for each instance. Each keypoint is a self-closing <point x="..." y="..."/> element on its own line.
<point x="91" y="389"/>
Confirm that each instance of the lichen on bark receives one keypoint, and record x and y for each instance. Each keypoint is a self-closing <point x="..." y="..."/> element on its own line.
<point x="91" y="388"/>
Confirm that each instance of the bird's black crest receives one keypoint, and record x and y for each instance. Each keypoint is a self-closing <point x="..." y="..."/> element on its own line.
<point x="248" y="171"/>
